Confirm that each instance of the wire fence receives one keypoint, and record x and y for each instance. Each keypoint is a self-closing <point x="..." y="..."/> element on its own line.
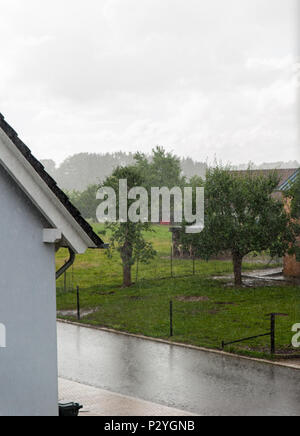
<point x="103" y="272"/>
<point x="198" y="321"/>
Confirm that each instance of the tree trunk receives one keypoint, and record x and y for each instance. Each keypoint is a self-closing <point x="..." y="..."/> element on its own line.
<point x="237" y="266"/>
<point x="127" y="280"/>
<point x="126" y="255"/>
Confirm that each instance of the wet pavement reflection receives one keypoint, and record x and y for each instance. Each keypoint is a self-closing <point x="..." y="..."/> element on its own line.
<point x="191" y="380"/>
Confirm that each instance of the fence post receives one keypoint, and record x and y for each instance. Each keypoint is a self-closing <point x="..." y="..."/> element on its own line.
<point x="78" y="304"/>
<point x="137" y="271"/>
<point x="171" y="319"/>
<point x="72" y="278"/>
<point x="194" y="266"/>
<point x="273" y="333"/>
<point x="172" y="262"/>
<point x="65" y="280"/>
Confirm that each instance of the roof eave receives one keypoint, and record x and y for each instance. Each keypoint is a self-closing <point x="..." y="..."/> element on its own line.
<point x="42" y="196"/>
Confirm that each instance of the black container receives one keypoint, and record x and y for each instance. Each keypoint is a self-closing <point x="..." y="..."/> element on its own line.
<point x="69" y="409"/>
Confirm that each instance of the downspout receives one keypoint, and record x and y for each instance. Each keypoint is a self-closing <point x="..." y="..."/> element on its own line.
<point x="67" y="265"/>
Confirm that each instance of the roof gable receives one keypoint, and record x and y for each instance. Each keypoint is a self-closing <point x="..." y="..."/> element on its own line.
<point x="42" y="189"/>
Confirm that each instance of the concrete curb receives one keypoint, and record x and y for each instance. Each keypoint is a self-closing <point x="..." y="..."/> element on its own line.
<point x="177" y="344"/>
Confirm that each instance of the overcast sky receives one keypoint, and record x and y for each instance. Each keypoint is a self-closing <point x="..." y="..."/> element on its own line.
<point x="203" y="78"/>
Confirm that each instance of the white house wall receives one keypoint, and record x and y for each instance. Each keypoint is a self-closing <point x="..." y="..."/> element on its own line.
<point x="28" y="364"/>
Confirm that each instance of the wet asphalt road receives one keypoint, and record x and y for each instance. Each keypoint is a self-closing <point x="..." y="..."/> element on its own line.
<point x="194" y="381"/>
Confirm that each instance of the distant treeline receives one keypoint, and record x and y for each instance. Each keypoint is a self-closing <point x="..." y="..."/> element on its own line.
<point x="78" y="172"/>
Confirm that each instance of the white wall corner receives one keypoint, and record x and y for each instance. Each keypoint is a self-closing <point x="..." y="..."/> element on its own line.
<point x="52" y="236"/>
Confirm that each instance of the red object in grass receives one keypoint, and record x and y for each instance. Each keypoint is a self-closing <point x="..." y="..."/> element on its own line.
<point x="165" y="223"/>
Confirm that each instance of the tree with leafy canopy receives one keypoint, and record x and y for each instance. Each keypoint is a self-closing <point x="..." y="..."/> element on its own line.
<point x="161" y="169"/>
<point x="128" y="238"/>
<point x="86" y="201"/>
<point x="242" y="216"/>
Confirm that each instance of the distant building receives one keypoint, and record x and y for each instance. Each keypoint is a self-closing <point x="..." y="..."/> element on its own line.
<point x="291" y="264"/>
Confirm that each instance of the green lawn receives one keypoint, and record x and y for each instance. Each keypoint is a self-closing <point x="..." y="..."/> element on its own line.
<point x="206" y="311"/>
